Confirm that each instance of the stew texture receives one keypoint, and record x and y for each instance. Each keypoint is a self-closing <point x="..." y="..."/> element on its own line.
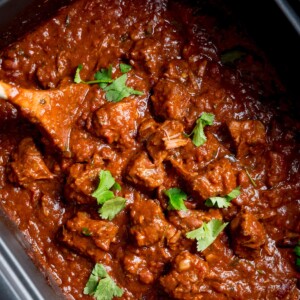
<point x="178" y="172"/>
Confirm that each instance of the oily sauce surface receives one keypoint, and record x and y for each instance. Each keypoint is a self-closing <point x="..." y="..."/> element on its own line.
<point x="177" y="56"/>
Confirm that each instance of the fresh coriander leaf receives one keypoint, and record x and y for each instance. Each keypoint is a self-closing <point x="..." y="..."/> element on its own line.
<point x="207" y="233"/>
<point x="77" y="78"/>
<point x="97" y="273"/>
<point x="297" y="250"/>
<point x="298" y="262"/>
<point x="232" y="55"/>
<point x="101" y="285"/>
<point x="125" y="68"/>
<point x="107" y="290"/>
<point x="103" y="193"/>
<point x="199" y="137"/>
<point x="176" y="199"/>
<point x="223" y="202"/>
<point x="104" y="77"/>
<point x="112" y="207"/>
<point x="118" y="90"/>
<point x="117" y="187"/>
<point x="220" y="202"/>
<point x="85" y="231"/>
<point x="234" y="193"/>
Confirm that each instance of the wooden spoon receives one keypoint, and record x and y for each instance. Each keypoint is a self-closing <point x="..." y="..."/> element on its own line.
<point x="54" y="111"/>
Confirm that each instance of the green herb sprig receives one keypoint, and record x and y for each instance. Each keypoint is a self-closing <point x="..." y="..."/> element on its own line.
<point x="198" y="134"/>
<point x="101" y="285"/>
<point x="207" y="233"/>
<point x="116" y="89"/>
<point x="176" y="199"/>
<point x="223" y="202"/>
<point x="110" y="204"/>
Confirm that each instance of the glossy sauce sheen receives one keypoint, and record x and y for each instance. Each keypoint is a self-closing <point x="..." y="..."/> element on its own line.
<point x="175" y="51"/>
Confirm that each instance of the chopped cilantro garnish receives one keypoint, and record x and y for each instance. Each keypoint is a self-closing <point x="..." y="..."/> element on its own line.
<point x="207" y="233"/>
<point x="103" y="193"/>
<point x="297" y="252"/>
<point x="111" y="205"/>
<point x="176" y="199"/>
<point x="223" y="202"/>
<point x="199" y="137"/>
<point x="101" y="285"/>
<point x="85" y="231"/>
<point x="77" y="78"/>
<point x="234" y="193"/>
<point x="104" y="77"/>
<point x="125" y="68"/>
<point x="117" y="187"/>
<point x="232" y="55"/>
<point x="116" y="89"/>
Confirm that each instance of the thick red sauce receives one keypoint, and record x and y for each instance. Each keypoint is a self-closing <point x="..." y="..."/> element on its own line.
<point x="176" y="54"/>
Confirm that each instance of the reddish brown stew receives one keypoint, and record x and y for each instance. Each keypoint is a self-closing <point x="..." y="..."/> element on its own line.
<point x="176" y="57"/>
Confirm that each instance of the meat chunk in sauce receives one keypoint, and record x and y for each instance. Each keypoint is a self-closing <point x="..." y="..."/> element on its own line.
<point x="219" y="178"/>
<point x="247" y="135"/>
<point x="190" y="159"/>
<point x="144" y="173"/>
<point x="81" y="183"/>
<point x="186" y="277"/>
<point x="148" y="224"/>
<point x="248" y="235"/>
<point x="116" y="122"/>
<point x="146" y="263"/>
<point x="170" y="100"/>
<point x="28" y="164"/>
<point x="101" y="232"/>
<point x="166" y="137"/>
<point x="192" y="219"/>
<point x="89" y="237"/>
<point x="147" y="52"/>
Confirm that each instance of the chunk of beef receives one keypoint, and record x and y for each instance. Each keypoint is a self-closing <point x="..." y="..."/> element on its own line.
<point x="103" y="233"/>
<point x="147" y="128"/>
<point x="247" y="136"/>
<point x="177" y="69"/>
<point x="28" y="164"/>
<point x="89" y="237"/>
<point x="166" y="137"/>
<point x="186" y="277"/>
<point x="149" y="225"/>
<point x="248" y="235"/>
<point x="170" y="100"/>
<point x="188" y="73"/>
<point x="219" y="178"/>
<point x="146" y="263"/>
<point x="148" y="53"/>
<point x="143" y="173"/>
<point x="192" y="159"/>
<point x="189" y="220"/>
<point x="81" y="183"/>
<point x="116" y="122"/>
